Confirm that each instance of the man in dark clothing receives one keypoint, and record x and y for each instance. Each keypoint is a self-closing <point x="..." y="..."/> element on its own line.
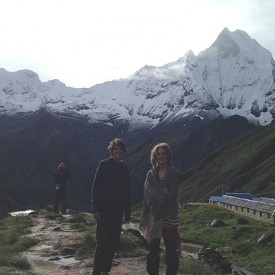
<point x="61" y="177"/>
<point x="110" y="202"/>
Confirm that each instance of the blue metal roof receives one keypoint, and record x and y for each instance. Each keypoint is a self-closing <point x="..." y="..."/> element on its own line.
<point x="266" y="205"/>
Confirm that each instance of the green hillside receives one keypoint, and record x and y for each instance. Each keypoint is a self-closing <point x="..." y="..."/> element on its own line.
<point x="246" y="164"/>
<point x="242" y="240"/>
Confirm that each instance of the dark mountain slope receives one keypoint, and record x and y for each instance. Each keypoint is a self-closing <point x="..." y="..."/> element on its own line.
<point x="243" y="165"/>
<point x="190" y="140"/>
<point x="30" y="155"/>
<point x="32" y="145"/>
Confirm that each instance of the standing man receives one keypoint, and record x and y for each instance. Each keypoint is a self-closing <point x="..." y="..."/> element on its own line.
<point x="61" y="177"/>
<point x="110" y="202"/>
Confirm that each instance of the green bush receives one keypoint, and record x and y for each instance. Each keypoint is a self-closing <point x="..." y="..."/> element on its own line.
<point x="78" y="227"/>
<point x="127" y="246"/>
<point x="89" y="240"/>
<point x="87" y="247"/>
<point x="19" y="262"/>
<point x="26" y="242"/>
<point x="83" y="252"/>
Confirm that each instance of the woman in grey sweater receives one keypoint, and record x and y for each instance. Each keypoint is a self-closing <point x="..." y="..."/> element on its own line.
<point x="160" y="210"/>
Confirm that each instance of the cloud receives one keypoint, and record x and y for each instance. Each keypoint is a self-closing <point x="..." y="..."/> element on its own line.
<point x="84" y="42"/>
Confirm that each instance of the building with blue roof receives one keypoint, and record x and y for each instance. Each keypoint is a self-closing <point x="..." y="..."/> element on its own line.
<point x="245" y="204"/>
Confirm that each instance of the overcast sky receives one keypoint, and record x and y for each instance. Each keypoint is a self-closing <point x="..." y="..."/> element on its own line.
<point x="86" y="42"/>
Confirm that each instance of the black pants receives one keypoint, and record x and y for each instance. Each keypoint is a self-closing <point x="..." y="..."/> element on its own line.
<point x="172" y="248"/>
<point x="60" y="200"/>
<point x="108" y="231"/>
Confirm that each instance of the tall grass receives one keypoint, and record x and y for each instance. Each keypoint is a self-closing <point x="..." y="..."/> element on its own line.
<point x="13" y="241"/>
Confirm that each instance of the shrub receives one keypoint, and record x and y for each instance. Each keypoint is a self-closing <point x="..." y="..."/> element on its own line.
<point x="20" y="263"/>
<point x="89" y="241"/>
<point x="88" y="245"/>
<point x="192" y="267"/>
<point x="26" y="242"/>
<point x="127" y="246"/>
<point x="8" y="259"/>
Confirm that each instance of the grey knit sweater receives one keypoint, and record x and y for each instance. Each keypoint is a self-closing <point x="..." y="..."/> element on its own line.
<point x="160" y="202"/>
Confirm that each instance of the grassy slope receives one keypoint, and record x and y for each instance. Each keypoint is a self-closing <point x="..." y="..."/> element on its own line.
<point x="237" y="239"/>
<point x="245" y="164"/>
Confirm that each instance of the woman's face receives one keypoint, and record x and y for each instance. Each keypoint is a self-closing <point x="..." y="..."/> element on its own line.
<point x="161" y="156"/>
<point x="118" y="152"/>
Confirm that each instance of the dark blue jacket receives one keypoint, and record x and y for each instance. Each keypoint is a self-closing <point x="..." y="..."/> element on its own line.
<point x="111" y="192"/>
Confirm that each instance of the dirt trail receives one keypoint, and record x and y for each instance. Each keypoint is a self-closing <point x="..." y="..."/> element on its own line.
<point x="54" y="254"/>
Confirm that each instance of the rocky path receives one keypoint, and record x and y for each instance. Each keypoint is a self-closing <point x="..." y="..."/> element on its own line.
<point x="54" y="254"/>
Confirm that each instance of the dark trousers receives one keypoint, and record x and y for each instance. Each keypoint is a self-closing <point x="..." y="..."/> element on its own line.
<point x="171" y="241"/>
<point x="60" y="200"/>
<point x="108" y="231"/>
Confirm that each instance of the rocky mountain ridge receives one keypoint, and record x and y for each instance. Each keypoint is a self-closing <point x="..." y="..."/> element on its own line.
<point x="234" y="76"/>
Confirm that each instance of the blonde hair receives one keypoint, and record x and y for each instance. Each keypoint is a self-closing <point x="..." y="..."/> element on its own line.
<point x="153" y="156"/>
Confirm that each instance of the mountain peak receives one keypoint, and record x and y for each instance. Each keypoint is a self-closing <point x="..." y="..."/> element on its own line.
<point x="225" y="44"/>
<point x="232" y="44"/>
<point x="234" y="76"/>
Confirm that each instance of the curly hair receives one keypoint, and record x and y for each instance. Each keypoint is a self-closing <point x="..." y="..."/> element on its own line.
<point x="116" y="142"/>
<point x="153" y="156"/>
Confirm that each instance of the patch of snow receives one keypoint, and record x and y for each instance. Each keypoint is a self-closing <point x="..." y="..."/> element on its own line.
<point x="21" y="213"/>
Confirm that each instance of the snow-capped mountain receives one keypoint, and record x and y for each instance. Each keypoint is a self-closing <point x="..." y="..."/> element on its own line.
<point x="235" y="75"/>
